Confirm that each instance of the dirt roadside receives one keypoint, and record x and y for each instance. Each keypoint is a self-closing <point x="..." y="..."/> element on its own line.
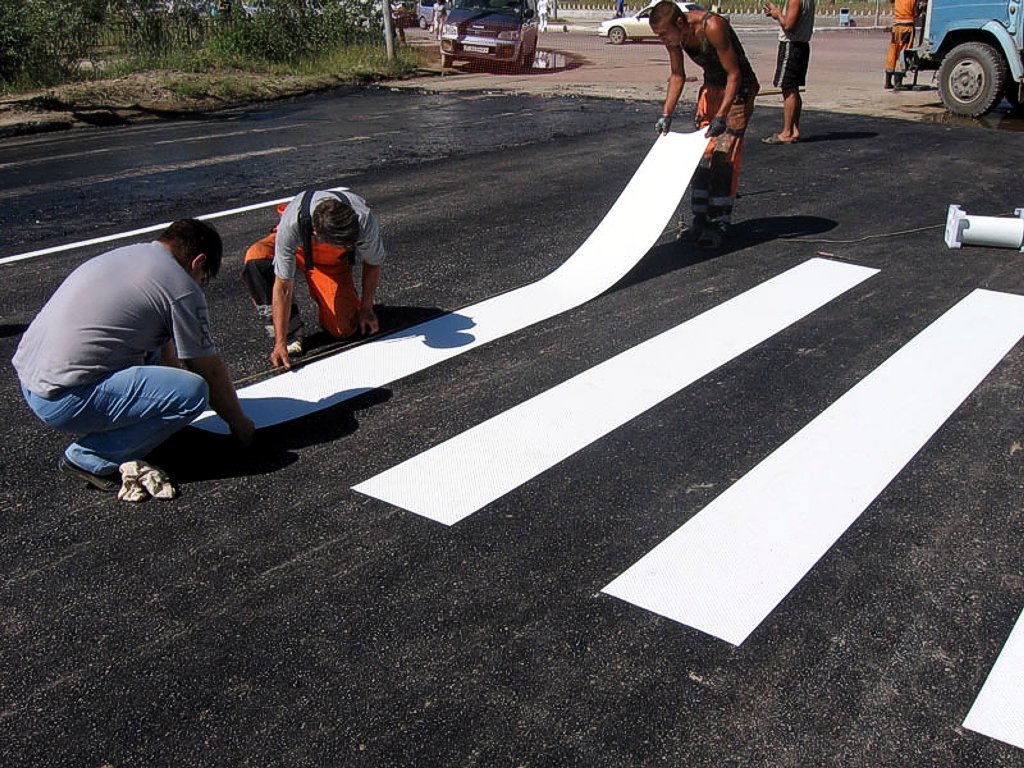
<point x="845" y="76"/>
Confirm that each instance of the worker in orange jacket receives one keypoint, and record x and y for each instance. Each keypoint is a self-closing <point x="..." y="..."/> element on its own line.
<point x="904" y="14"/>
<point x="341" y="231"/>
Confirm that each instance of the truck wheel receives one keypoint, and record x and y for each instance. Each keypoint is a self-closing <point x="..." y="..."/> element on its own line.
<point x="972" y="79"/>
<point x="616" y="35"/>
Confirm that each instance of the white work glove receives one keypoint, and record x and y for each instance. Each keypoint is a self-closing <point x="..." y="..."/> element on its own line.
<point x="140" y="481"/>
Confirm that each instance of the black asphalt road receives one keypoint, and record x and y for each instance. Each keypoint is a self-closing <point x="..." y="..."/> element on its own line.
<point x="273" y="617"/>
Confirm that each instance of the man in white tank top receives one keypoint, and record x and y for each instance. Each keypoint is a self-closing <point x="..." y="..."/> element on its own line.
<point x="796" y="22"/>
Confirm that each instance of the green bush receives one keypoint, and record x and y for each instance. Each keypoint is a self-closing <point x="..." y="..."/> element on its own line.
<point x="286" y="31"/>
<point x="43" y="42"/>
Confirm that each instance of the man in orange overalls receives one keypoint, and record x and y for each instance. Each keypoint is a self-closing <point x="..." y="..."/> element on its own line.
<point x="904" y="12"/>
<point x="724" y="106"/>
<point x="343" y="231"/>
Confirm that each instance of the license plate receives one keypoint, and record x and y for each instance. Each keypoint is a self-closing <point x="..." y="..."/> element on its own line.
<point x="476" y="48"/>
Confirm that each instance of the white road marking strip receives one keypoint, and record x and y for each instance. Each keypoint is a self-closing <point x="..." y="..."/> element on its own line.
<point x="134" y="173"/>
<point x="731" y="564"/>
<point x="626" y="233"/>
<point x="998" y="712"/>
<point x="114" y="150"/>
<point x="144" y="230"/>
<point x="230" y="134"/>
<point x="456" y="478"/>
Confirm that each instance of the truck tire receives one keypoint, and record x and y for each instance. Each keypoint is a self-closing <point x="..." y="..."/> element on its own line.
<point x="972" y="79"/>
<point x="616" y="35"/>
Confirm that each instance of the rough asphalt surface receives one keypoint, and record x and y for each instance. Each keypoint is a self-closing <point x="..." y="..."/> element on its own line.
<point x="273" y="617"/>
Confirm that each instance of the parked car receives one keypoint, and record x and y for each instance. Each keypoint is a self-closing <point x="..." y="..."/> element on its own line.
<point x="500" y="31"/>
<point x="425" y="13"/>
<point x="637" y="26"/>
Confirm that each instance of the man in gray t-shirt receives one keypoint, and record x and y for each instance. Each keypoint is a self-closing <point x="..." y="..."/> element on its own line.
<point x="343" y="231"/>
<point x="89" y="362"/>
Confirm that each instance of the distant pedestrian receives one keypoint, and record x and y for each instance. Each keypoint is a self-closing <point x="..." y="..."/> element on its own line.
<point x="440" y="14"/>
<point x="398" y="18"/>
<point x="542" y="13"/>
<point x="904" y="14"/>
<point x="620" y="6"/>
<point x="796" y="19"/>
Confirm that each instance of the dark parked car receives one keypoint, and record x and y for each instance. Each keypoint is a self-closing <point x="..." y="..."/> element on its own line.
<point x="501" y="31"/>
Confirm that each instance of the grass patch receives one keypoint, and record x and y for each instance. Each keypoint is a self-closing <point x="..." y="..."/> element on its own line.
<point x="201" y="81"/>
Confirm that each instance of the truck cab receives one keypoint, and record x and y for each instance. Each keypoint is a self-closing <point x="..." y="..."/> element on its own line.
<point x="976" y="47"/>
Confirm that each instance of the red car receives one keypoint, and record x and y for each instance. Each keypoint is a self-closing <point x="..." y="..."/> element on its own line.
<point x="501" y="31"/>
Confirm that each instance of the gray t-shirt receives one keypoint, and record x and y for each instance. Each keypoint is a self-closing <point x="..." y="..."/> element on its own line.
<point x="111" y="313"/>
<point x="804" y="27"/>
<point x="369" y="248"/>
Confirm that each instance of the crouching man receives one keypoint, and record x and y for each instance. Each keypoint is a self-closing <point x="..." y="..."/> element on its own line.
<point x="103" y="357"/>
<point x="340" y="230"/>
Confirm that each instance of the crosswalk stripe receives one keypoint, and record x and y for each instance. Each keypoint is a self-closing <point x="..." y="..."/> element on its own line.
<point x="629" y="229"/>
<point x="143" y="230"/>
<point x="458" y="477"/>
<point x="998" y="712"/>
<point x="726" y="568"/>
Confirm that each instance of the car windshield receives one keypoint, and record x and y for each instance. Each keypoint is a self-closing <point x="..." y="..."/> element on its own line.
<point x="492" y="6"/>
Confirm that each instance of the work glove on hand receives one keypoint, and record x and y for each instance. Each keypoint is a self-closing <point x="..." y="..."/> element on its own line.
<point x="716" y="127"/>
<point x="663" y="124"/>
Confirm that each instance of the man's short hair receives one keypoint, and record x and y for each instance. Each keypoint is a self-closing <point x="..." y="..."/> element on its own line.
<point x="190" y="237"/>
<point x="335" y="223"/>
<point x="663" y="12"/>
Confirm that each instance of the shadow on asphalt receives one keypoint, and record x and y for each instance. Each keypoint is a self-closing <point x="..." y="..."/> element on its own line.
<point x="391" y="319"/>
<point x="678" y="254"/>
<point x="838" y="136"/>
<point x="14" y="329"/>
<point x="194" y="455"/>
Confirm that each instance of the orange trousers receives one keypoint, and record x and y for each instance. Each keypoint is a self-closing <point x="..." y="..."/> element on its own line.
<point x="717" y="178"/>
<point x="330" y="283"/>
<point x="901" y="38"/>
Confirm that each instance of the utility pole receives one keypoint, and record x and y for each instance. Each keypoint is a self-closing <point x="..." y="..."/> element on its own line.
<point x="389" y="31"/>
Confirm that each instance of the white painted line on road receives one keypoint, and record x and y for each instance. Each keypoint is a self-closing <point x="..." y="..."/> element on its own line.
<point x="143" y="230"/>
<point x="998" y="712"/>
<point x="725" y="569"/>
<point x="456" y="478"/>
<point x="626" y="233"/>
<point x="116" y="149"/>
<point x="138" y="172"/>
<point x="231" y="134"/>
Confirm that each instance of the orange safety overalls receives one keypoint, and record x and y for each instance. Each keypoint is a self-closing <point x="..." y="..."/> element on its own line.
<point x="330" y="282"/>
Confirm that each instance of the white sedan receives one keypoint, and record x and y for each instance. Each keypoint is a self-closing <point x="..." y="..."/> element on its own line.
<point x="637" y="26"/>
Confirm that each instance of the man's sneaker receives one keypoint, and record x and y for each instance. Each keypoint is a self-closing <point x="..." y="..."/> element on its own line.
<point x="108" y="483"/>
<point x="711" y="238"/>
<point x="294" y="348"/>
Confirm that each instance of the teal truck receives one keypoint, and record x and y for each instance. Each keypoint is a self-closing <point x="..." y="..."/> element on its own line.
<point x="976" y="47"/>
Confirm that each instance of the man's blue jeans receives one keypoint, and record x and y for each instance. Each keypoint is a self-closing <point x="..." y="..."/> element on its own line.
<point x="124" y="415"/>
